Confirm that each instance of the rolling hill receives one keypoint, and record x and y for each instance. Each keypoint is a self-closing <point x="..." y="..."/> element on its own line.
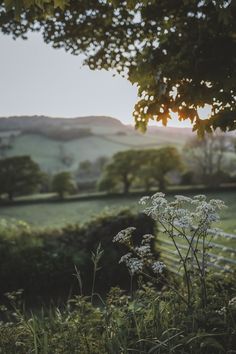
<point x="62" y="143"/>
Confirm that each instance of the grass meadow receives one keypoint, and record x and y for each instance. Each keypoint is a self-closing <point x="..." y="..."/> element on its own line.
<point x="59" y="214"/>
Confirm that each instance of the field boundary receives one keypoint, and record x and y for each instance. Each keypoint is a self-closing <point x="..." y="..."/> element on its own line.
<point x="220" y="257"/>
<point x="172" y="190"/>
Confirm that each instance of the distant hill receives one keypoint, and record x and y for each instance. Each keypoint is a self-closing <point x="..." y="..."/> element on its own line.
<point x="62" y="143"/>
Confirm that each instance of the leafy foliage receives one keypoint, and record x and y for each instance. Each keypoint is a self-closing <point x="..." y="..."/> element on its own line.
<point x="148" y="167"/>
<point x="62" y="183"/>
<point x="212" y="159"/>
<point x="151" y="319"/>
<point x="150" y="322"/>
<point x="19" y="175"/>
<point x="180" y="54"/>
<point x="43" y="262"/>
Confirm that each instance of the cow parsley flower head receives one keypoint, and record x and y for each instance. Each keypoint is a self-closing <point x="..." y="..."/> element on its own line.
<point x="158" y="195"/>
<point x="134" y="265"/>
<point x="147" y="239"/>
<point x="182" y="198"/>
<point x="221" y="311"/>
<point x="200" y="197"/>
<point x="144" y="200"/>
<point x="143" y="251"/>
<point x="232" y="302"/>
<point x="125" y="235"/>
<point x="158" y="267"/>
<point x="125" y="258"/>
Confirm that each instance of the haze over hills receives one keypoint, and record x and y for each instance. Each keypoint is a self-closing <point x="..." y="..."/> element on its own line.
<point x="62" y="143"/>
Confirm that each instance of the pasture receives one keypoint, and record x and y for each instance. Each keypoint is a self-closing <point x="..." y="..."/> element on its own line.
<point x="59" y="214"/>
<point x="48" y="152"/>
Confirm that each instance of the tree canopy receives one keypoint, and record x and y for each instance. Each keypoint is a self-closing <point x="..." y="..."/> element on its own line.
<point x="19" y="175"/>
<point x="211" y="158"/>
<point x="62" y="183"/>
<point x="180" y="53"/>
<point x="148" y="168"/>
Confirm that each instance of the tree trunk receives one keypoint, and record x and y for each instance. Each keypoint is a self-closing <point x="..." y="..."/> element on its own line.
<point x="10" y="196"/>
<point x="147" y="187"/>
<point x="162" y="185"/>
<point x="61" y="195"/>
<point x="126" y="186"/>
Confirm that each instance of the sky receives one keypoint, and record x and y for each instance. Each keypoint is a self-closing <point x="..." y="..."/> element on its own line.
<point x="36" y="79"/>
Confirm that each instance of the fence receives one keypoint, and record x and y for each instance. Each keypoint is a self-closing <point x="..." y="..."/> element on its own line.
<point x="221" y="257"/>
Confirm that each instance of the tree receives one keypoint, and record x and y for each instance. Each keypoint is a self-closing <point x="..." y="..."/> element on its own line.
<point x="181" y="54"/>
<point x="19" y="175"/>
<point x="120" y="171"/>
<point x="148" y="167"/>
<point x="209" y="158"/>
<point x="85" y="168"/>
<point x="157" y="164"/>
<point x="62" y="183"/>
<point x="106" y="183"/>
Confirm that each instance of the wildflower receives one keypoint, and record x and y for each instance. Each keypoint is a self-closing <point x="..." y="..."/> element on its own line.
<point x="182" y="198"/>
<point x="125" y="258"/>
<point x="217" y="203"/>
<point x="147" y="238"/>
<point x="135" y="265"/>
<point x="199" y="197"/>
<point x="232" y="302"/>
<point x="158" y="267"/>
<point x="144" y="200"/>
<point x="221" y="311"/>
<point x="143" y="251"/>
<point x="125" y="235"/>
<point x="158" y="195"/>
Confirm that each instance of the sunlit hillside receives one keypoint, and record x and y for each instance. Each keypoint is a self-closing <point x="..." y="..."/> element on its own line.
<point x="58" y="144"/>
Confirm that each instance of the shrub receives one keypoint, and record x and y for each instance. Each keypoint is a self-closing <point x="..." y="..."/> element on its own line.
<point x="149" y="320"/>
<point x="43" y="262"/>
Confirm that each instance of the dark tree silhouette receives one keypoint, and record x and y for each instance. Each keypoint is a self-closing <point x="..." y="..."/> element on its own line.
<point x="19" y="175"/>
<point x="180" y="53"/>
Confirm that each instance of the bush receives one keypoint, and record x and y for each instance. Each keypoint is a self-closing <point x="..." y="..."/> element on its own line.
<point x="151" y="322"/>
<point x="43" y="262"/>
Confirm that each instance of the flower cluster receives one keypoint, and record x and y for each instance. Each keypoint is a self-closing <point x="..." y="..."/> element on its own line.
<point x="183" y="213"/>
<point x="124" y="236"/>
<point x="140" y="257"/>
<point x="158" y="267"/>
<point x="232" y="302"/>
<point x="188" y="224"/>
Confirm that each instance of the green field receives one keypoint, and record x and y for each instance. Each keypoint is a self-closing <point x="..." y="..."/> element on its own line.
<point x="59" y="214"/>
<point x="105" y="140"/>
<point x="46" y="152"/>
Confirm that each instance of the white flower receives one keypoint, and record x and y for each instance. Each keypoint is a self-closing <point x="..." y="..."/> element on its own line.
<point x="232" y="302"/>
<point x="125" y="258"/>
<point x="134" y="265"/>
<point x="182" y="198"/>
<point x="158" y="195"/>
<point x="143" y="251"/>
<point x="222" y="311"/>
<point x="158" y="267"/>
<point x="200" y="197"/>
<point x="144" y="200"/>
<point x="147" y="238"/>
<point x="219" y="204"/>
<point x="124" y="235"/>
